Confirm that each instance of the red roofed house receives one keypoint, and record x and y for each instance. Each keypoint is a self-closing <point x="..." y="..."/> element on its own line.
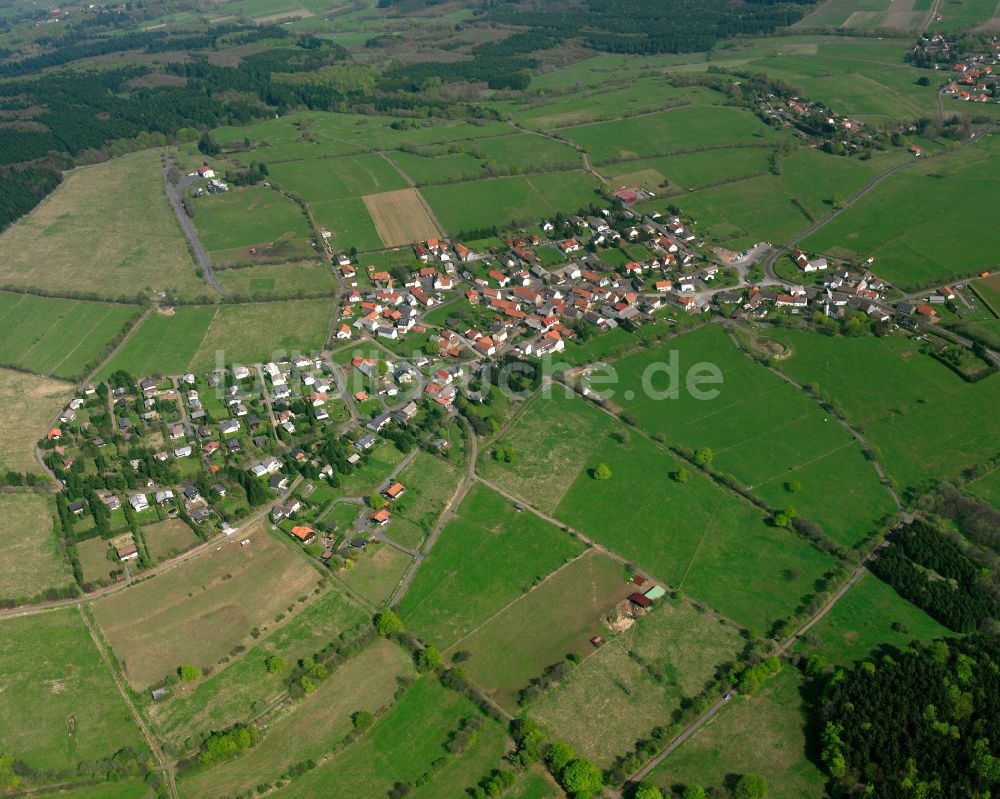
<point x="395" y="491"/>
<point x="380" y="517"/>
<point x="306" y="535"/>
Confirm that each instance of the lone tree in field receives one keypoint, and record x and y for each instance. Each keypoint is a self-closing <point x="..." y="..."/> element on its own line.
<point x="602" y="472"/>
<point x="750" y="786"/>
<point x="681" y="475"/>
<point x="704" y="456"/>
<point x="9" y="780"/>
<point x="275" y="664"/>
<point x="388" y="623"/>
<point x="505" y="453"/>
<point x="188" y="673"/>
<point x="362" y="720"/>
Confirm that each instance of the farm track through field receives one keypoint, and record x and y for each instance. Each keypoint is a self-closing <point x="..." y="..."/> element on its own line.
<point x="446" y="513"/>
<point x="843" y="420"/>
<point x="151" y="741"/>
<point x="709" y="714"/>
<point x="772" y="257"/>
<point x="596" y="547"/>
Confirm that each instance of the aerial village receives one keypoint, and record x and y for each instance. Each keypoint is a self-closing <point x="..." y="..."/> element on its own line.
<point x="409" y="352"/>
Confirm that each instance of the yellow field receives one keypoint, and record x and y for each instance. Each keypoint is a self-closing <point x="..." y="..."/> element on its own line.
<point x="401" y="217"/>
<point x="28" y="405"/>
<point x="107" y="229"/>
<point x="197" y="612"/>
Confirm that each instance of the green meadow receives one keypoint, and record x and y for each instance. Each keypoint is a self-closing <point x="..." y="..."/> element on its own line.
<point x="921" y="225"/>
<point x="692" y="535"/>
<point x="771" y="436"/>
<point x="924" y="421"/>
<point x="56" y="337"/>
<point x="391" y="753"/>
<point x="247" y="217"/>
<point x="486" y="556"/>
<point x="871" y="615"/>
<point x="194" y="338"/>
<point x="498" y="201"/>
<point x="42" y="718"/>
<point x="686" y="128"/>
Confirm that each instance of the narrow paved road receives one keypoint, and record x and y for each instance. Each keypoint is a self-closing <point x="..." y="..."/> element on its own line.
<point x="770" y="260"/>
<point x="174" y="196"/>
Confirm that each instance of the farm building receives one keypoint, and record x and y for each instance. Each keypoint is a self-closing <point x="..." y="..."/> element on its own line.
<point x="656" y="592"/>
<point x="640" y="600"/>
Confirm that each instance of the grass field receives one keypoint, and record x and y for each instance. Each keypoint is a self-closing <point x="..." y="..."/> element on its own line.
<point x="770" y="207"/>
<point x="376" y="572"/>
<point x="764" y="735"/>
<point x="258" y="332"/>
<point x="911" y="222"/>
<point x="247" y="217"/>
<point x="193" y="338"/>
<point x="483" y="203"/>
<point x="278" y="280"/>
<point x="401" y="217"/>
<point x="329" y="178"/>
<point x="487" y="556"/>
<point x="315" y="725"/>
<point x="693" y="535"/>
<point x="28" y="405"/>
<point x="55" y="337"/>
<point x="30" y="557"/>
<point x="162" y="344"/>
<point x="687" y="128"/>
<point x="242" y="688"/>
<point x="760" y="429"/>
<point x="108" y="229"/>
<point x="610" y="700"/>
<point x="987" y="488"/>
<point x="401" y="747"/>
<point x="169" y="538"/>
<point x="870" y="615"/>
<point x="557" y="617"/>
<point x="691" y="170"/>
<point x="196" y="613"/>
<point x="94" y="561"/>
<point x="42" y="717"/>
<point x="305" y="135"/>
<point x="430" y="482"/>
<point x="924" y="420"/>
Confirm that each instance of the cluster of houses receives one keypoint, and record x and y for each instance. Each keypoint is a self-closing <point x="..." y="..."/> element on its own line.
<point x="532" y="306"/>
<point x="974" y="82"/>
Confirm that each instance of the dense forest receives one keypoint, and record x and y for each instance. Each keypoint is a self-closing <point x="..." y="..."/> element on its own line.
<point x="937" y="575"/>
<point x="653" y="26"/>
<point x="923" y="722"/>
